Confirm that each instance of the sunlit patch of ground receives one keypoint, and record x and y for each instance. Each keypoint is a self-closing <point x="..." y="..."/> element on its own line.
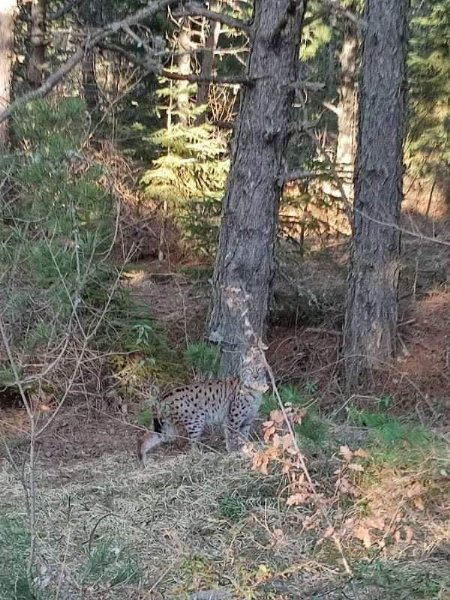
<point x="193" y="521"/>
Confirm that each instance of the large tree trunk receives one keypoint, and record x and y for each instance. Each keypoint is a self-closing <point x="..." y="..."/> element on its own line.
<point x="8" y="9"/>
<point x="250" y="207"/>
<point x="347" y="110"/>
<point x="37" y="43"/>
<point x="371" y="315"/>
<point x="208" y="63"/>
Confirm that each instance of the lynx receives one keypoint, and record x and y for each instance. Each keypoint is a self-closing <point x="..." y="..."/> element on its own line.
<point x="186" y="411"/>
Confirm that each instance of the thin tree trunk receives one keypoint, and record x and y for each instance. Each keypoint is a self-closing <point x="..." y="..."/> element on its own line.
<point x="90" y="13"/>
<point x="184" y="68"/>
<point x="208" y="63"/>
<point x="90" y="88"/>
<point x="8" y="11"/>
<point x="371" y="314"/>
<point x="250" y="207"/>
<point x="37" y="43"/>
<point x="347" y="110"/>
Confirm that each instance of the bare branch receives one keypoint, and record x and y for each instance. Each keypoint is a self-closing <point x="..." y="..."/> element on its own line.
<point x="349" y="208"/>
<point x="143" y="61"/>
<point x="334" y="109"/>
<point x="90" y="41"/>
<point x="196" y="10"/>
<point x="297" y="175"/>
<point x="130" y="56"/>
<point x="335" y="7"/>
<point x="212" y="79"/>
<point x="63" y="10"/>
<point x="46" y="87"/>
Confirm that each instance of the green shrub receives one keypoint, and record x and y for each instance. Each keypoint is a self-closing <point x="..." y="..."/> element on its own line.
<point x="288" y="394"/>
<point x="312" y="432"/>
<point x="391" y="441"/>
<point x="203" y="358"/>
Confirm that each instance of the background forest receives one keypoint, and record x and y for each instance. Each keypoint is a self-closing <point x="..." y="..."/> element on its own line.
<point x="126" y="130"/>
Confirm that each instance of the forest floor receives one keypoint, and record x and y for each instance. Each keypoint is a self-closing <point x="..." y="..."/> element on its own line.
<point x="204" y="524"/>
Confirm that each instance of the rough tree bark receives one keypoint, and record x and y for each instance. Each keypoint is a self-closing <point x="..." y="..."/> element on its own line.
<point x="37" y="43"/>
<point x="208" y="63"/>
<point x="250" y="207"/>
<point x="347" y="108"/>
<point x="8" y="10"/>
<point x="371" y="313"/>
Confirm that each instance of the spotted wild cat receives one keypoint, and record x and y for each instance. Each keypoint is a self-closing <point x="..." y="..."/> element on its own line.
<point x="185" y="412"/>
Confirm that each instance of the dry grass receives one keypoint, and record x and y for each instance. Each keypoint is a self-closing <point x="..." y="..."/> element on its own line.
<point x="200" y="521"/>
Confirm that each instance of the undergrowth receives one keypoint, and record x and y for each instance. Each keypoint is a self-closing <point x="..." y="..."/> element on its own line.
<point x="59" y="288"/>
<point x="203" y="358"/>
<point x="312" y="428"/>
<point x="391" y="441"/>
<point x="15" y="584"/>
<point x="109" y="562"/>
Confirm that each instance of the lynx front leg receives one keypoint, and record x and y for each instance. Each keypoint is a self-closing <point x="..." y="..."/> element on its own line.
<point x="245" y="427"/>
<point x="236" y="434"/>
<point x="232" y="440"/>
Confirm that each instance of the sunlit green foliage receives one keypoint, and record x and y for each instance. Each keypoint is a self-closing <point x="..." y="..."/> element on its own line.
<point x="429" y="65"/>
<point x="189" y="175"/>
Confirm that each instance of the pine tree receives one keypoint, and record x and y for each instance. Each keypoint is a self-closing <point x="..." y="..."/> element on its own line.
<point x="371" y="311"/>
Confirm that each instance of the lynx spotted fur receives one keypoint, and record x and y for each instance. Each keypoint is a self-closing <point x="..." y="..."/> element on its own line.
<point x="185" y="412"/>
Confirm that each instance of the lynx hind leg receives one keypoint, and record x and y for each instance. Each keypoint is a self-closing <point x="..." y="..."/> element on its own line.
<point x="194" y="431"/>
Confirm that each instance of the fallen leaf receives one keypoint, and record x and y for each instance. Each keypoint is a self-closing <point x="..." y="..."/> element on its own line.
<point x="409" y="533"/>
<point x="360" y="453"/>
<point x="375" y="523"/>
<point x="346" y="453"/>
<point x="356" y="467"/>
<point x="277" y="416"/>
<point x="418" y="503"/>
<point x="363" y="534"/>
<point x="295" y="499"/>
